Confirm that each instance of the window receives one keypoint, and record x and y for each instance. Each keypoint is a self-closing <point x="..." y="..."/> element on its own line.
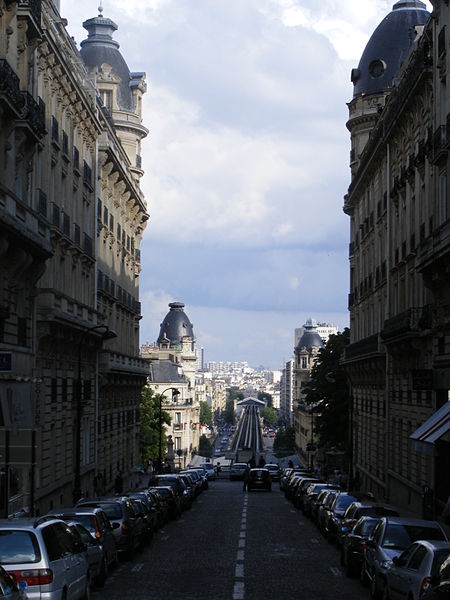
<point x="106" y="96"/>
<point x="177" y="443"/>
<point x="177" y="419"/>
<point x="105" y="215"/>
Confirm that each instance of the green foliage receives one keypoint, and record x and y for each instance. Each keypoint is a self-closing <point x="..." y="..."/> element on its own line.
<point x="328" y="391"/>
<point x="206" y="417"/>
<point x="285" y="440"/>
<point x="234" y="394"/>
<point x="265" y="397"/>
<point x="269" y="416"/>
<point x="228" y="414"/>
<point x="149" y="418"/>
<point x="205" y="448"/>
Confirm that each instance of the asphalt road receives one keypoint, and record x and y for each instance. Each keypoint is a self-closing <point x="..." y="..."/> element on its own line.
<point x="234" y="546"/>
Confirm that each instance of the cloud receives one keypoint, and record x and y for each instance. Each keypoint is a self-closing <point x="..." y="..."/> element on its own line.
<point x="246" y="163"/>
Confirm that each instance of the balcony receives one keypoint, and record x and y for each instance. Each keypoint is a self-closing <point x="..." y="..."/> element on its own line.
<point x="10" y="93"/>
<point x="30" y="10"/>
<point x="362" y="348"/>
<point x="409" y="323"/>
<point x="33" y="117"/>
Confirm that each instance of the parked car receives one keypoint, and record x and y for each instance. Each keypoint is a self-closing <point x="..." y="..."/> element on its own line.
<point x="360" y="509"/>
<point x="439" y="588"/>
<point x="50" y="560"/>
<point x="9" y="590"/>
<point x="311" y="493"/>
<point x="178" y="486"/>
<point x="161" y="504"/>
<point x="237" y="471"/>
<point x="390" y="537"/>
<point x="150" y="515"/>
<point x="410" y="574"/>
<point x="202" y="474"/>
<point x="95" y="556"/>
<point x="259" y="479"/>
<point x="142" y="510"/>
<point x="324" y="510"/>
<point x="299" y="490"/>
<point x="210" y="471"/>
<point x="97" y="523"/>
<point x="173" y="501"/>
<point x="127" y="524"/>
<point x="334" y="516"/>
<point x="274" y="470"/>
<point x="354" y="545"/>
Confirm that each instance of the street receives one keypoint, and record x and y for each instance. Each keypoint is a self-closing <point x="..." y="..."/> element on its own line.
<point x="234" y="546"/>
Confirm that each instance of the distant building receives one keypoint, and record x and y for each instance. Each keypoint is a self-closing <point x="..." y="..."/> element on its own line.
<point x="287" y="393"/>
<point x="325" y="330"/>
<point x="305" y="355"/>
<point x="173" y="361"/>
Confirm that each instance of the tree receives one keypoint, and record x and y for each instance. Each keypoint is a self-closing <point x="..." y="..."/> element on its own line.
<point x="205" y="447"/>
<point x="328" y="392"/>
<point x="269" y="416"/>
<point x="235" y="394"/>
<point x="149" y="418"/>
<point x="206" y="417"/>
<point x="284" y="441"/>
<point x="265" y="397"/>
<point x="229" y="415"/>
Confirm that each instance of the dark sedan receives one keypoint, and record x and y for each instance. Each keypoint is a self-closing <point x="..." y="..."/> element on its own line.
<point x="259" y="479"/>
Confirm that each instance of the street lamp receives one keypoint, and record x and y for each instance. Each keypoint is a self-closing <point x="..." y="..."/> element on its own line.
<point x="105" y="334"/>
<point x="175" y="392"/>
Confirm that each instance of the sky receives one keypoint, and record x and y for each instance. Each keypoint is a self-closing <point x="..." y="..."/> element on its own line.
<point x="246" y="162"/>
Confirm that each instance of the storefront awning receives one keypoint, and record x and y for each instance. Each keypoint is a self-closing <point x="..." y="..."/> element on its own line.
<point x="434" y="428"/>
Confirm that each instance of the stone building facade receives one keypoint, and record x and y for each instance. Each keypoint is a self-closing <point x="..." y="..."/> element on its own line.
<point x="173" y="361"/>
<point x="398" y="358"/>
<point x="59" y="341"/>
<point x="305" y="355"/>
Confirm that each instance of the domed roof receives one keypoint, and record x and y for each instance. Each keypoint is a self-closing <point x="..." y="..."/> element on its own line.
<point x="176" y="325"/>
<point x="100" y="48"/>
<point x="310" y="338"/>
<point x="388" y="47"/>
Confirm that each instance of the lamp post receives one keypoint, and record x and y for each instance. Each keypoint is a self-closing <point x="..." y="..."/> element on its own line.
<point x="106" y="334"/>
<point x="175" y="392"/>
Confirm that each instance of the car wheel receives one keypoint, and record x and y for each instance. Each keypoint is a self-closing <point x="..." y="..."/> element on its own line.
<point x="99" y="581"/>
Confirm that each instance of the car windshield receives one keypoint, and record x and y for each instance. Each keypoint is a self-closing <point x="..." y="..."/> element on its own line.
<point x="401" y="536"/>
<point x="86" y="520"/>
<point x="18" y="547"/>
<point x="113" y="510"/>
<point x="342" y="502"/>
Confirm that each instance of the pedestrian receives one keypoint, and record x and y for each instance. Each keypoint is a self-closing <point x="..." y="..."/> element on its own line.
<point x="246" y="477"/>
<point x="252" y="462"/>
<point x="290" y="463"/>
<point x="218" y="469"/>
<point x="262" y="462"/>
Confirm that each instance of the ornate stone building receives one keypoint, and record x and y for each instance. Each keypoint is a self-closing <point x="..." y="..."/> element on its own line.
<point x="399" y="301"/>
<point x="173" y="362"/>
<point x="56" y="143"/>
<point x="305" y="355"/>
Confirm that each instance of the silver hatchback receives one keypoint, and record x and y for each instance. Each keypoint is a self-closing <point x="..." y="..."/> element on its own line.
<point x="44" y="554"/>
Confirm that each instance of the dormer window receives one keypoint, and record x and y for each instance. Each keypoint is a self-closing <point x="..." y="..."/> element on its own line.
<point x="106" y="96"/>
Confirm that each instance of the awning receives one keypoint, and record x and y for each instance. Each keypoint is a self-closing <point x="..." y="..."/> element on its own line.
<point x="434" y="428"/>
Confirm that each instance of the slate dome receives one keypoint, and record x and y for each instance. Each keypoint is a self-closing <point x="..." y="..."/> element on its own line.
<point x="100" y="48"/>
<point x="310" y="338"/>
<point x="388" y="47"/>
<point x="176" y="325"/>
